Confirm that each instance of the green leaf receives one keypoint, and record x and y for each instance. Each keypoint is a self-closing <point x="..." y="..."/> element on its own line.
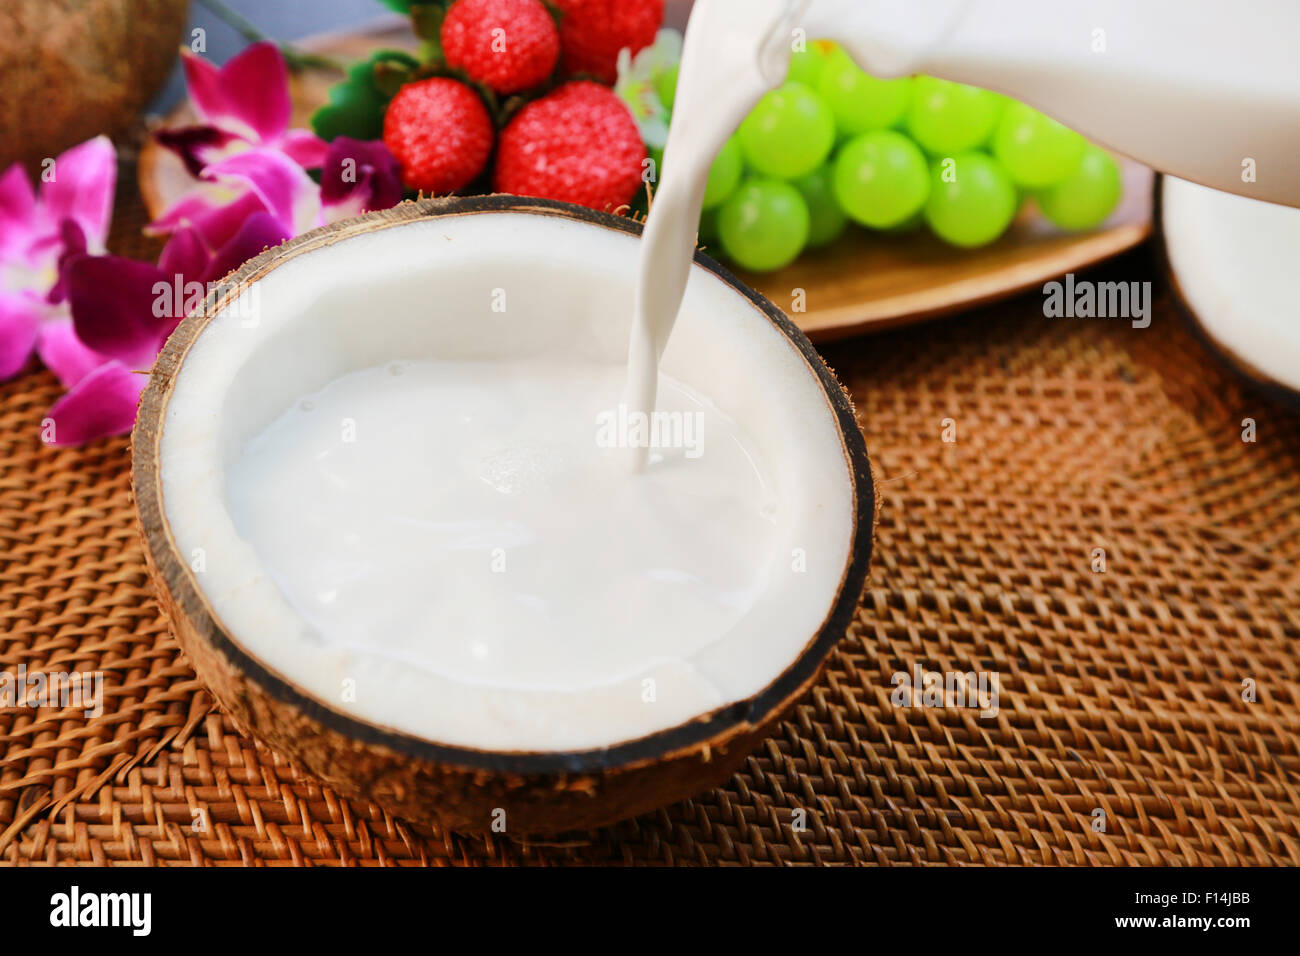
<point x="426" y="15"/>
<point x="426" y="20"/>
<point x="356" y="104"/>
<point x="410" y="5"/>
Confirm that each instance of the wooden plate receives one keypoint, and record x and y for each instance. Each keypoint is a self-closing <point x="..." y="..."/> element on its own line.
<point x="864" y="281"/>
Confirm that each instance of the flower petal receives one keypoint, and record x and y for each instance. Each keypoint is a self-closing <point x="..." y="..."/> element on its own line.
<point x="64" y="354"/>
<point x="185" y="256"/>
<point x="215" y="211"/>
<point x="82" y="188"/>
<point x="249" y="96"/>
<point x="71" y="242"/>
<point x="203" y="83"/>
<point x="357" y="177"/>
<point x="257" y="81"/>
<point x="120" y="307"/>
<point x="283" y="186"/>
<point x="194" y="206"/>
<point x="304" y="147"/>
<point x="101" y="404"/>
<point x="353" y="204"/>
<point x="197" y="146"/>
<point x="17" y="210"/>
<point x="259" y="231"/>
<point x="20" y="320"/>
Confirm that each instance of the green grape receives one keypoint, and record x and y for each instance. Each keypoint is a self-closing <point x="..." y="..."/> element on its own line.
<point x="1083" y="199"/>
<point x="763" y="225"/>
<point x="880" y="178"/>
<point x="972" y="200"/>
<point x="949" y="118"/>
<point x="724" y="174"/>
<point x="806" y="65"/>
<point x="826" y="221"/>
<point x="789" y="133"/>
<point x="861" y="102"/>
<point x="1035" y="149"/>
<point x="665" y="85"/>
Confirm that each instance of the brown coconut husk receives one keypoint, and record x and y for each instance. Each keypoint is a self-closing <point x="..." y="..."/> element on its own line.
<point x="72" y="69"/>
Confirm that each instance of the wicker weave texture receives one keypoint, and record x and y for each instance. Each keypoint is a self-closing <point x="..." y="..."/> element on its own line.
<point x="1122" y="693"/>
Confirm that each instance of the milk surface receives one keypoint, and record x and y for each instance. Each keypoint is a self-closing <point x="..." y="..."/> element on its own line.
<point x="476" y="520"/>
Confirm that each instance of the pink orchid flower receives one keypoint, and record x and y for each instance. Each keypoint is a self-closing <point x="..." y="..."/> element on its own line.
<point x="245" y="159"/>
<point x="40" y="236"/>
<point x="95" y="319"/>
<point x="254" y="181"/>
<point x="98" y="321"/>
<point x="69" y="216"/>
<point x="356" y="177"/>
<point x="243" y="105"/>
<point x="123" y="310"/>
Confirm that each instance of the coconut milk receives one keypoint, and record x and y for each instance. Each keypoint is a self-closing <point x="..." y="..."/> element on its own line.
<point x="502" y="543"/>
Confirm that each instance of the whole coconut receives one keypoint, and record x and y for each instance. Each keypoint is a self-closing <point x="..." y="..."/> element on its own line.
<point x="71" y="69"/>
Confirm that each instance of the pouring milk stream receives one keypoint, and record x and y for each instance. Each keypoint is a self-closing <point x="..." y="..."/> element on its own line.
<point x="1191" y="87"/>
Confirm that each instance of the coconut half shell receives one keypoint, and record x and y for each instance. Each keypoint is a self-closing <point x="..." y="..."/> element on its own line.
<point x="455" y="786"/>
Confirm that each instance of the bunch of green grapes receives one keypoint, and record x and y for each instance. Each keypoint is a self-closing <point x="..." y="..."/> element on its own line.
<point x="834" y="145"/>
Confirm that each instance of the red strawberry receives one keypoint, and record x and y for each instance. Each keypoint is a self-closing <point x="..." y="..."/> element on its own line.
<point x="508" y="45"/>
<point x="593" y="31"/>
<point x="440" y="132"/>
<point x="578" y="144"/>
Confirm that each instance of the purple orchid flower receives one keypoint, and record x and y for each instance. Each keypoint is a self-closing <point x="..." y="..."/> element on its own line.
<point x="245" y="159"/>
<point x="358" y="176"/>
<point x="123" y="310"/>
<point x="41" y="236"/>
<point x="282" y="186"/>
<point x="98" y="321"/>
<point x="254" y="181"/>
<point x="69" y="216"/>
<point x="243" y="105"/>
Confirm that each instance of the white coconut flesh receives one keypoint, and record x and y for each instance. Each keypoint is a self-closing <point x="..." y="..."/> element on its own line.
<point x="1235" y="260"/>
<point x="396" y="487"/>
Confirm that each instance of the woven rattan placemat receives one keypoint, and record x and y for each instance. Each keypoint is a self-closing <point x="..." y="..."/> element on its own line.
<point x="1121" y="691"/>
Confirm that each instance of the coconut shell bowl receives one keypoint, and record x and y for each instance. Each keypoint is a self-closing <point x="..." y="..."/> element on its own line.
<point x="414" y="284"/>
